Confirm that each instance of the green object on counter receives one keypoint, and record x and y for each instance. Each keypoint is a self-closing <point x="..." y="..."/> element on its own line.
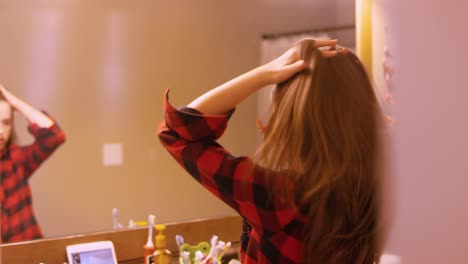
<point x="204" y="247"/>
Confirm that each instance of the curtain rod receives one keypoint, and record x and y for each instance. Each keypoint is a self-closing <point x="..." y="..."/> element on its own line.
<point x="318" y="30"/>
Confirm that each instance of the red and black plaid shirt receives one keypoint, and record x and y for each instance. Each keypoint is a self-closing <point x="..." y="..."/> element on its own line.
<point x="274" y="230"/>
<point x="17" y="164"/>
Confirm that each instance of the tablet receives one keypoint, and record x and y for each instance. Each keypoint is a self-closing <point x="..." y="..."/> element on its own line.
<point x="101" y="252"/>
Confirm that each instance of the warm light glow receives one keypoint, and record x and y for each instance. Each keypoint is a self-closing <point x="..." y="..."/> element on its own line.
<point x="113" y="69"/>
<point x="113" y="66"/>
<point x="364" y="32"/>
<point x="43" y="55"/>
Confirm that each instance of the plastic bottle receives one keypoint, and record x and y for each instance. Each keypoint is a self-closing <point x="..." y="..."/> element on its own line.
<point x="161" y="254"/>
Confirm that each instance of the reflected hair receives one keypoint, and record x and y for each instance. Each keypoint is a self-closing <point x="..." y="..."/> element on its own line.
<point x="323" y="136"/>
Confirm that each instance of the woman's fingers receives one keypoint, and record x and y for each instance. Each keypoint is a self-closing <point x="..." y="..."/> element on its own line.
<point x="2" y="92"/>
<point x="292" y="55"/>
<point x="329" y="53"/>
<point x="295" y="67"/>
<point x="325" y="42"/>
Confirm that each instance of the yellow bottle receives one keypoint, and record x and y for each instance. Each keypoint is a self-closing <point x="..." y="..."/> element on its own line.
<point x="161" y="255"/>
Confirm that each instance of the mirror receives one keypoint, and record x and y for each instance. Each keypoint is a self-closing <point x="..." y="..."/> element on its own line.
<point x="100" y="69"/>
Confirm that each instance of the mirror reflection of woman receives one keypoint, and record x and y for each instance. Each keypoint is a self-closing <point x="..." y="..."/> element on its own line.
<point x="18" y="163"/>
<point x="311" y="194"/>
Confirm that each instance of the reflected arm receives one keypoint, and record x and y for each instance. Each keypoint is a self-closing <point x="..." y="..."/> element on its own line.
<point x="33" y="115"/>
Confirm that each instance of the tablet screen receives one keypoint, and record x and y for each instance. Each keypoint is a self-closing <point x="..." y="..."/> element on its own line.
<point x="92" y="253"/>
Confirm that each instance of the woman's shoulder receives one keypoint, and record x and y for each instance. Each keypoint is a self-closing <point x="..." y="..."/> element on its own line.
<point x="10" y="152"/>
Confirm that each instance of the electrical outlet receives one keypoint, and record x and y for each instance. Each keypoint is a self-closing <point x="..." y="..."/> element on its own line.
<point x="112" y="154"/>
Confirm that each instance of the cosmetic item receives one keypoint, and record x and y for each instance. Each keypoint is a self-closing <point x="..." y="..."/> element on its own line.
<point x="161" y="255"/>
<point x="204" y="247"/>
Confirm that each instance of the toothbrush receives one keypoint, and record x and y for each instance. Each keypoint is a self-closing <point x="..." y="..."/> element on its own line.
<point x="151" y="221"/>
<point x="131" y="223"/>
<point x="199" y="256"/>
<point x="179" y="240"/>
<point x="185" y="257"/>
<point x="218" y="248"/>
<point x="213" y="242"/>
<point x="225" y="249"/>
<point x="115" y="214"/>
<point x="149" y="247"/>
<point x="215" y="251"/>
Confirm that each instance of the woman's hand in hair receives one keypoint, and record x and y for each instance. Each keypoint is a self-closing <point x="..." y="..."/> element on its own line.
<point x="32" y="115"/>
<point x="284" y="67"/>
<point x="228" y="95"/>
<point x="10" y="97"/>
<point x="288" y="64"/>
<point x="5" y="94"/>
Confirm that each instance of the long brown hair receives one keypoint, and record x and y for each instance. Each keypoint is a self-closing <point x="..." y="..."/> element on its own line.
<point x="323" y="136"/>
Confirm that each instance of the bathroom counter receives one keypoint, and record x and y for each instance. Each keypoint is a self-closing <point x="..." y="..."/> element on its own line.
<point x="128" y="243"/>
<point x="231" y="254"/>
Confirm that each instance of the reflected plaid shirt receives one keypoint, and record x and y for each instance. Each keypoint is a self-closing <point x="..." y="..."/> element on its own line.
<point x="17" y="164"/>
<point x="272" y="230"/>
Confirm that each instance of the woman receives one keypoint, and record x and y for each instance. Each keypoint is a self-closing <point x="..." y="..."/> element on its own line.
<point x="311" y="194"/>
<point x="17" y="164"/>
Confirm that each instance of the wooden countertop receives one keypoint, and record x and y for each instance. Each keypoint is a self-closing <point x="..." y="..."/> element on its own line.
<point x="128" y="243"/>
